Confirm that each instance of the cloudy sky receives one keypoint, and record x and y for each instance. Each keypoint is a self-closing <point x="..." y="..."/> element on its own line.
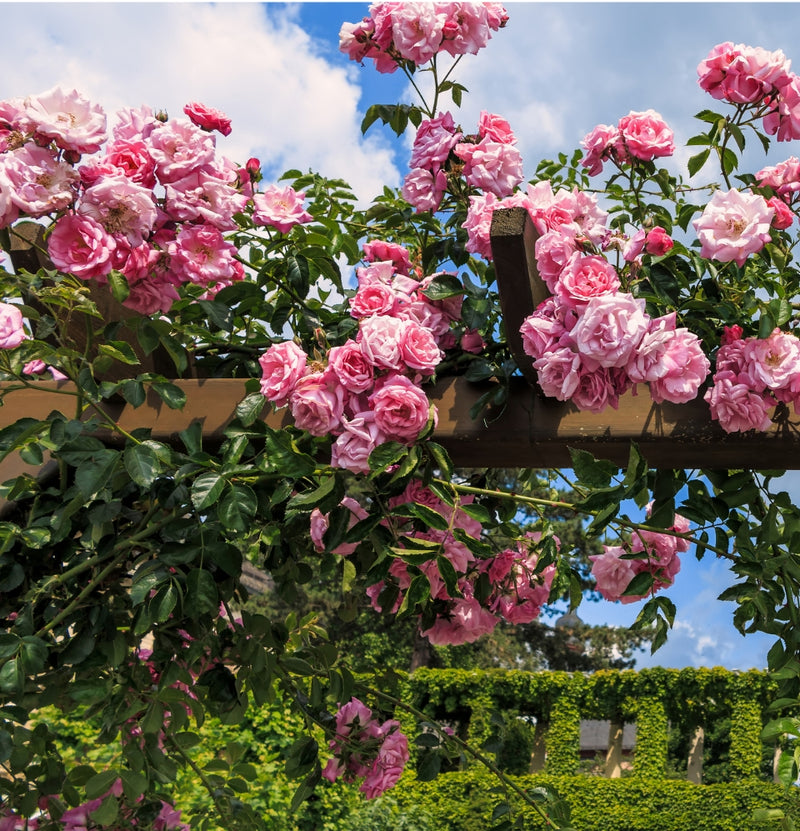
<point x="556" y="71"/>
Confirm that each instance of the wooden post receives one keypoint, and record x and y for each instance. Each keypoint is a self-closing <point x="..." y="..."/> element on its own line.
<point x="539" y="753"/>
<point x="694" y="764"/>
<point x="613" y="769"/>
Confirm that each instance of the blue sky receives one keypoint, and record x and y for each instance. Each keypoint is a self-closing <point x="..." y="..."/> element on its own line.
<point x="556" y="71"/>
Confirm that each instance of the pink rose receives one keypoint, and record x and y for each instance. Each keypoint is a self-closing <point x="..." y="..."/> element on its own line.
<point x="467" y="621"/>
<point x="417" y="31"/>
<point x="585" y="277"/>
<point x="478" y="224"/>
<point x="559" y="372"/>
<point x="613" y="574"/>
<point x="350" y="367"/>
<point x="736" y="406"/>
<point x="380" y="251"/>
<point x="373" y="299"/>
<point x="733" y="225"/>
<point x="686" y="367"/>
<point x="315" y="407"/>
<point x="379" y="338"/>
<point x="599" y="388"/>
<point x="783" y="213"/>
<point x="179" y="148"/>
<point x="553" y="250"/>
<point x="471" y="341"/>
<point x="37" y="181"/>
<point x="401" y="409"/>
<point x="774" y="361"/>
<point x="783" y="178"/>
<point x="12" y="330"/>
<point x="434" y="140"/>
<point x="491" y="166"/>
<point x="658" y="242"/>
<point x="359" y="437"/>
<point x="80" y="245"/>
<point x="208" y="118"/>
<point x="598" y="145"/>
<point x="201" y="255"/>
<point x="388" y="767"/>
<point x="282" y="366"/>
<point x="742" y="74"/>
<point x="132" y="159"/>
<point x="610" y="329"/>
<point x="67" y="118"/>
<point x="205" y="195"/>
<point x="645" y="135"/>
<point x="418" y="348"/>
<point x="424" y="189"/>
<point x="282" y="208"/>
<point x="495" y="128"/>
<point x="121" y="206"/>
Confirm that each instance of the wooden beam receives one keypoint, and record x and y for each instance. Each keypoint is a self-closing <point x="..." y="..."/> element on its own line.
<point x="531" y="431"/>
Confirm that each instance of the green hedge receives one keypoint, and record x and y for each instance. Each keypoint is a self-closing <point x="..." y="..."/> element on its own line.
<point x="464" y="802"/>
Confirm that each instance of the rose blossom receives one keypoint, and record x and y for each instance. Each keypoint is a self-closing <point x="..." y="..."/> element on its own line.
<point x="418" y="348"/>
<point x="610" y="329"/>
<point x="598" y="145"/>
<point x="208" y="118"/>
<point x="80" y="245"/>
<point x="38" y="182"/>
<point x="401" y="409"/>
<point x="282" y="366"/>
<point x="645" y="135"/>
<point x="350" y="367"/>
<point x="282" y="208"/>
<point x="658" y="242"/>
<point x="379" y="338"/>
<point x="121" y="207"/>
<point x="784" y="118"/>
<point x="359" y="437"/>
<point x="783" y="178"/>
<point x="733" y="225"/>
<point x="495" y="128"/>
<point x="553" y="251"/>
<point x="685" y="368"/>
<point x="783" y="213"/>
<point x="558" y="373"/>
<point x="424" y="189"/>
<point x="742" y="74"/>
<point x="316" y="407"/>
<point x="200" y="254"/>
<point x="599" y="388"/>
<point x="179" y="148"/>
<point x="371" y="299"/>
<point x="67" y="118"/>
<point x="388" y="767"/>
<point x="416" y="30"/>
<point x="465" y="622"/>
<point x="379" y="251"/>
<point x="12" y="330"/>
<point x="206" y="195"/>
<point x="132" y="159"/>
<point x="774" y="361"/>
<point x="491" y="166"/>
<point x="736" y="406"/>
<point x="584" y="277"/>
<point x="434" y="140"/>
<point x="613" y="574"/>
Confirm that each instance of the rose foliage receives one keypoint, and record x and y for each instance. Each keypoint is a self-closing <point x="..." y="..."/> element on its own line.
<point x="139" y="255"/>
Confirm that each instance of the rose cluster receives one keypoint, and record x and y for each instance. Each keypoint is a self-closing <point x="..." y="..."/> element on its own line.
<point x="591" y="342"/>
<point x="79" y="818"/>
<point x="752" y="76"/>
<point x="752" y="376"/>
<point x="368" y="390"/>
<point x="395" y="33"/>
<point x="649" y="552"/>
<point x="482" y="592"/>
<point x="151" y="202"/>
<point x="367" y="749"/>
<point x="488" y="160"/>
<point x="638" y="135"/>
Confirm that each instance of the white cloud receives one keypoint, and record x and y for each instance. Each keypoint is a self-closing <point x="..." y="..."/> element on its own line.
<point x="290" y="107"/>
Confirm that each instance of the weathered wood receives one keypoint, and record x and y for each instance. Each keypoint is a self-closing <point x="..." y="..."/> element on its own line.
<point x="694" y="764"/>
<point x="531" y="431"/>
<point x="513" y="240"/>
<point x="613" y="766"/>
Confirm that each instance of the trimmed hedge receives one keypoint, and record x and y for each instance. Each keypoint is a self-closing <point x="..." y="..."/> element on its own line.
<point x="464" y="802"/>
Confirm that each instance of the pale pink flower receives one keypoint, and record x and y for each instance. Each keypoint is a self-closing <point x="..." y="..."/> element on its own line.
<point x="783" y="178"/>
<point x="68" y="119"/>
<point x="553" y="251"/>
<point x="401" y="409"/>
<point x="200" y="254"/>
<point x="121" y="206"/>
<point x="610" y="329"/>
<point x="634" y="246"/>
<point x="686" y="367"/>
<point x="208" y="118"/>
<point x="598" y="389"/>
<point x="467" y="28"/>
<point x="544" y="330"/>
<point x="359" y="437"/>
<point x="612" y="573"/>
<point x="645" y="135"/>
<point x="418" y="348"/>
<point x="466" y="621"/>
<point x="783" y="121"/>
<point x="12" y="328"/>
<point x="733" y="226"/>
<point x="434" y="140"/>
<point x="559" y="372"/>
<point x="316" y="407"/>
<point x="179" y="148"/>
<point x="80" y="245"/>
<point x="379" y="338"/>
<point x="584" y="277"/>
<point x="379" y="250"/>
<point x="135" y="123"/>
<point x="478" y="224"/>
<point x="424" y="189"/>
<point x="645" y="363"/>
<point x="350" y="367"/>
<point x="281" y="208"/>
<point x="417" y="31"/>
<point x="282" y="366"/>
<point x="736" y="406"/>
<point x="152" y="295"/>
<point x="491" y="166"/>
<point x="599" y="144"/>
<point x="39" y="183"/>
<point x="774" y="361"/>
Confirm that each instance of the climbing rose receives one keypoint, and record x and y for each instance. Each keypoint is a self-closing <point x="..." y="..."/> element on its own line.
<point x="282" y="208"/>
<point x="67" y="118"/>
<point x="645" y="135"/>
<point x="12" y="332"/>
<point x="733" y="226"/>
<point x="282" y="366"/>
<point x="80" y="245"/>
<point x="208" y="118"/>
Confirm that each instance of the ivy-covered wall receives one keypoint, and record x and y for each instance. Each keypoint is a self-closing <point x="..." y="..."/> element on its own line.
<point x="652" y="698"/>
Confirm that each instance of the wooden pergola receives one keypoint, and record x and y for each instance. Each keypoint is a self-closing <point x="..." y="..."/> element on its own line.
<point x="529" y="431"/>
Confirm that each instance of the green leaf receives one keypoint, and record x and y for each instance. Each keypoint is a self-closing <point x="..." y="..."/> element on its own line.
<point x="695" y="163"/>
<point x="207" y="489"/>
<point x="107" y="812"/>
<point x="92" y="475"/>
<point x="171" y="394"/>
<point x="444" y="286"/>
<point x="143" y="463"/>
<point x="249" y="408"/>
<point x="238" y="507"/>
<point x="201" y="592"/>
<point x="596" y="473"/>
<point x="119" y="286"/>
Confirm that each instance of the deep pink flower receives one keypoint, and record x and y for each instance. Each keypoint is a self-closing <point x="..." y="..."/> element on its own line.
<point x="316" y="407"/>
<point x="208" y="118"/>
<point x="282" y="208"/>
<point x="613" y="574"/>
<point x="417" y="30"/>
<point x="132" y="159"/>
<point x="742" y="74"/>
<point x="80" y="245"/>
<point x="206" y="195"/>
<point x="783" y="120"/>
<point x="373" y="298"/>
<point x="418" y="348"/>
<point x="783" y="178"/>
<point x="388" y="766"/>
<point x="645" y="135"/>
<point x="478" y="224"/>
<point x="378" y="250"/>
<point x="553" y="250"/>
<point x="783" y="217"/>
<point x="465" y="622"/>
<point x="424" y="189"/>
<point x="736" y="406"/>
<point x="491" y="166"/>
<point x="495" y="128"/>
<point x="434" y="140"/>
<point x="350" y="367"/>
<point x="658" y="242"/>
<point x="733" y="226"/>
<point x="401" y="409"/>
<point x="584" y="277"/>
<point x="201" y="255"/>
<point x="599" y="144"/>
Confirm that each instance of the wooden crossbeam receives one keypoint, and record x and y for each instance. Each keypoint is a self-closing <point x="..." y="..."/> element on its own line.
<point x="531" y="431"/>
